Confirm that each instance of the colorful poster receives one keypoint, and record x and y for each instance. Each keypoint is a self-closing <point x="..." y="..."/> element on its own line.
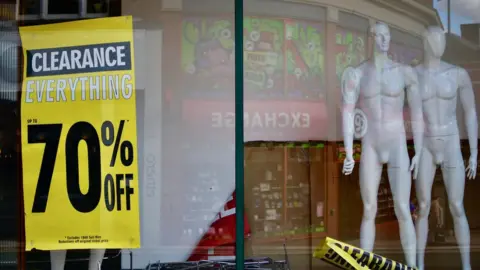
<point x="79" y="135"/>
<point x="264" y="61"/>
<point x="305" y="62"/>
<point x="208" y="56"/>
<point x="351" y="50"/>
<point x="405" y="54"/>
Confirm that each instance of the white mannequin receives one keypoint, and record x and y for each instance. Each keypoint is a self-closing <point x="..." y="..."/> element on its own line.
<point x="441" y="85"/>
<point x="57" y="259"/>
<point x="377" y="88"/>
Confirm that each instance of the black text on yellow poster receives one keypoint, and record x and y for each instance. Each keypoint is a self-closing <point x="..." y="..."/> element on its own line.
<point x="79" y="137"/>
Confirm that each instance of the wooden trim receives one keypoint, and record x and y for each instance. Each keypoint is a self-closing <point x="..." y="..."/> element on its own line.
<point x="429" y="10"/>
<point x="410" y="11"/>
<point x="113" y="9"/>
<point x="333" y="196"/>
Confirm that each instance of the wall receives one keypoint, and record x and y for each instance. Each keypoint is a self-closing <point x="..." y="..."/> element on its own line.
<point x="372" y="10"/>
<point x="427" y="3"/>
<point x="471" y="32"/>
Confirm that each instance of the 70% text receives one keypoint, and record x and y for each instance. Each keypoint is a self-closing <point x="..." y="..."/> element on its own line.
<point x="114" y="190"/>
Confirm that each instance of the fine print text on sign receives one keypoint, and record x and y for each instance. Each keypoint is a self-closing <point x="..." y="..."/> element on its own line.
<point x="79" y="136"/>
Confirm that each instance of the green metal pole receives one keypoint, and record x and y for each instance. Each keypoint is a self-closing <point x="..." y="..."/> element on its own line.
<point x="239" y="155"/>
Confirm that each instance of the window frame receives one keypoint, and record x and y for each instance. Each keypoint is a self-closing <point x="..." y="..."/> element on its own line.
<point x="44" y="15"/>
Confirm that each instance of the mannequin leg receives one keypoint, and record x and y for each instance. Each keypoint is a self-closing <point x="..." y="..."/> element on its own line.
<point x="370" y="172"/>
<point x="57" y="259"/>
<point x="423" y="186"/>
<point x="400" y="183"/>
<point x="96" y="258"/>
<point x="454" y="178"/>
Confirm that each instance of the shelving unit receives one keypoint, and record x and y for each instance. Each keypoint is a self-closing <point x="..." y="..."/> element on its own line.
<point x="297" y="185"/>
<point x="267" y="170"/>
<point x="281" y="200"/>
<point x="279" y="181"/>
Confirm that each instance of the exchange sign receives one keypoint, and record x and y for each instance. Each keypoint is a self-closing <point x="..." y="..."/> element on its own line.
<point x="79" y="137"/>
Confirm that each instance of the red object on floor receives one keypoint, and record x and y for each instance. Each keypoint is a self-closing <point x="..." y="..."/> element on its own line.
<point x="219" y="241"/>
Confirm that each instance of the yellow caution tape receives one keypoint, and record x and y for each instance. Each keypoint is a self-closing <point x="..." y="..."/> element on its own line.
<point x="348" y="257"/>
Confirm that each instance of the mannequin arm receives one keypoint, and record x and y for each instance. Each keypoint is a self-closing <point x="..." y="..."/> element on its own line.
<point x="415" y="104"/>
<point x="350" y="89"/>
<point x="467" y="99"/>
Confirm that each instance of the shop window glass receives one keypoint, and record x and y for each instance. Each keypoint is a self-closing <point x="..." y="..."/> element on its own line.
<point x="283" y="58"/>
<point x="295" y="191"/>
<point x="305" y="59"/>
<point x="350" y="213"/>
<point x="405" y="54"/>
<point x="192" y="212"/>
<point x="265" y="190"/>
<point x="285" y="194"/>
<point x="97" y="6"/>
<point x="350" y="49"/>
<point x="264" y="59"/>
<point x="63" y="7"/>
<point x="207" y="49"/>
<point x="30" y="7"/>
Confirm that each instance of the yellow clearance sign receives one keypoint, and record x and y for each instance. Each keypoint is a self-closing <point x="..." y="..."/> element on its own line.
<point x="79" y="137"/>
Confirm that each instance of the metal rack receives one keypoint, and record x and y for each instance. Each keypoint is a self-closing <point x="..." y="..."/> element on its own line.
<point x="260" y="263"/>
<point x="264" y="263"/>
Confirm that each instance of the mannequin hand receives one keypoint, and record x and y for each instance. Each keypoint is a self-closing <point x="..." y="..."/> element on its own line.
<point x="348" y="165"/>
<point x="471" y="169"/>
<point x="414" y="166"/>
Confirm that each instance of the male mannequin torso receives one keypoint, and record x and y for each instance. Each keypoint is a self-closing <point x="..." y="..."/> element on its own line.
<point x="381" y="97"/>
<point x="439" y="92"/>
<point x="441" y="84"/>
<point x="377" y="87"/>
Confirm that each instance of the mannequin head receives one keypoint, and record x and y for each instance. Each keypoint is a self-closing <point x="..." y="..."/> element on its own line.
<point x="381" y="33"/>
<point x="434" y="42"/>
